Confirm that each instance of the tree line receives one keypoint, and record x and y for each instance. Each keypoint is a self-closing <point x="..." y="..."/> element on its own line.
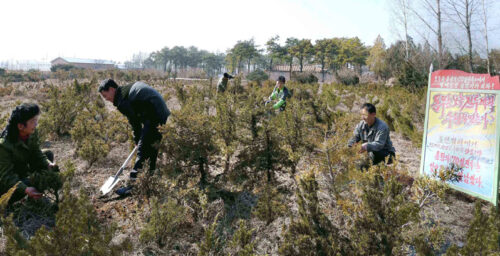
<point x="450" y="34"/>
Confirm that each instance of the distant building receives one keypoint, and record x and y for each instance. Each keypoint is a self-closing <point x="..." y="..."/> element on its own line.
<point x="84" y="63"/>
<point x="296" y="68"/>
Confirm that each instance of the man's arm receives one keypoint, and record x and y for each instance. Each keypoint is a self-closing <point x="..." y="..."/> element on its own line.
<point x="273" y="95"/>
<point x="136" y="128"/>
<point x="356" y="136"/>
<point x="279" y="104"/>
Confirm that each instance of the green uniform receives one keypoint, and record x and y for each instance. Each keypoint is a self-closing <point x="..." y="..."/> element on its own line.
<point x="21" y="161"/>
<point x="281" y="95"/>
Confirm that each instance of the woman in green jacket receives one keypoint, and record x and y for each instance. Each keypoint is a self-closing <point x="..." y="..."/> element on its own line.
<point x="22" y="160"/>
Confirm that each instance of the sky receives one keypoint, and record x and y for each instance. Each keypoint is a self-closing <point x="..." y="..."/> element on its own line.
<point x="115" y="30"/>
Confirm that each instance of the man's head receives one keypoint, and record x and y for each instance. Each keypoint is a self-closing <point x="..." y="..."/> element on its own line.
<point x="228" y="76"/>
<point x="23" y="121"/>
<point x="280" y="82"/>
<point x="368" y="113"/>
<point x="107" y="89"/>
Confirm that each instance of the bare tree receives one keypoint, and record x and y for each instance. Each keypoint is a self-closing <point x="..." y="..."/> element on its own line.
<point x="401" y="11"/>
<point x="462" y="13"/>
<point x="485" y="22"/>
<point x="431" y="16"/>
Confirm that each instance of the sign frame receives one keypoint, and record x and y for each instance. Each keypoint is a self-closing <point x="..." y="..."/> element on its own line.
<point x="495" y="183"/>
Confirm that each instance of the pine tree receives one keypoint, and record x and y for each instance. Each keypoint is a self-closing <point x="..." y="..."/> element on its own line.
<point x="188" y="139"/>
<point x="165" y="221"/>
<point x="312" y="233"/>
<point x="483" y="236"/>
<point x="63" y="106"/>
<point x="90" y="133"/>
<point x="77" y="232"/>
<point x="241" y="244"/>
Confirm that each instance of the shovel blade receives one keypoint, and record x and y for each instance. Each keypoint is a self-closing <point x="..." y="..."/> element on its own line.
<point x="109" y="185"/>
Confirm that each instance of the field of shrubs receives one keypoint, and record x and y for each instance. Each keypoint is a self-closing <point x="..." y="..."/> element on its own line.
<point x="235" y="178"/>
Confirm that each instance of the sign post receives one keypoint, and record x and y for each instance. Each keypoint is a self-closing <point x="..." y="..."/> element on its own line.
<point x="462" y="127"/>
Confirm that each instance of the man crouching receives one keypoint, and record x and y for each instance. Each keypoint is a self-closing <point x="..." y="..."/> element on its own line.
<point x="374" y="134"/>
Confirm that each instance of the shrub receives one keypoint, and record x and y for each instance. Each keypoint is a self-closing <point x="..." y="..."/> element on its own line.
<point x="89" y="133"/>
<point x="165" y="221"/>
<point x="225" y="127"/>
<point x="390" y="216"/>
<point x="304" y="78"/>
<point x="236" y="87"/>
<point x="48" y="182"/>
<point x="211" y="243"/>
<point x="63" y="106"/>
<point x="257" y="76"/>
<point x="3" y="121"/>
<point x="118" y="128"/>
<point x="294" y="128"/>
<point x="399" y="109"/>
<point x="270" y="205"/>
<point x="483" y="236"/>
<point x="382" y="214"/>
<point x="77" y="232"/>
<point x="312" y="233"/>
<point x="188" y="140"/>
<point x="148" y="185"/>
<point x="6" y="91"/>
<point x="409" y="76"/>
<point x="64" y="67"/>
<point x="33" y="75"/>
<point x="263" y="154"/>
<point x="347" y="76"/>
<point x="241" y="244"/>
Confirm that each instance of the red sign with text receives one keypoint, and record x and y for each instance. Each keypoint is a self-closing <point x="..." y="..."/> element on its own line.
<point x="456" y="79"/>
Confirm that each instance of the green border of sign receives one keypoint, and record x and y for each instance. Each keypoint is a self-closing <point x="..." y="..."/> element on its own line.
<point x="494" y="198"/>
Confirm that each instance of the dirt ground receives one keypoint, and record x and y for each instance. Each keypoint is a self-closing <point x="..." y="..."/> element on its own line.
<point x="455" y="215"/>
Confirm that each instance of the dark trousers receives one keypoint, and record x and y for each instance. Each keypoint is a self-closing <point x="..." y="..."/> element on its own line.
<point x="380" y="156"/>
<point x="376" y="157"/>
<point x="147" y="151"/>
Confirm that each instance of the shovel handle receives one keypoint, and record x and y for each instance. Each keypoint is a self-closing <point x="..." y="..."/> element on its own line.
<point x="126" y="162"/>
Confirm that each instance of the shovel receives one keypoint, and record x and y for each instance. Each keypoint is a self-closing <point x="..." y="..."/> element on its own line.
<point x="113" y="180"/>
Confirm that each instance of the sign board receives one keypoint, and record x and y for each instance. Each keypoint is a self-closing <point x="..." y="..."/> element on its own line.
<point x="462" y="127"/>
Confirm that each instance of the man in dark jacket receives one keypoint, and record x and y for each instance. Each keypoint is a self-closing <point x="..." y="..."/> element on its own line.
<point x="223" y="81"/>
<point x="374" y="134"/>
<point x="21" y="159"/>
<point x="145" y="110"/>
